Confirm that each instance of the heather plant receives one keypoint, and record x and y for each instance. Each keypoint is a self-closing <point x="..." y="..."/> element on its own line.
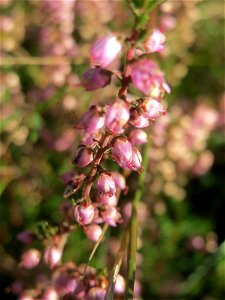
<point x="99" y="121"/>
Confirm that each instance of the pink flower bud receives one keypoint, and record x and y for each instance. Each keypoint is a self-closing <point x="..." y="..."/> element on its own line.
<point x="30" y="259"/>
<point x="52" y="256"/>
<point x="105" y="184"/>
<point x="93" y="232"/>
<point x="152" y="108"/>
<point x="138" y="137"/>
<point x="96" y="78"/>
<point x="83" y="156"/>
<point x="96" y="293"/>
<point x="119" y="180"/>
<point x="137" y="120"/>
<point x="105" y="50"/>
<point x="92" y="120"/>
<point x="111" y="216"/>
<point x="120" y="285"/>
<point x="64" y="283"/>
<point x="155" y="41"/>
<point x="122" y="151"/>
<point x="106" y="200"/>
<point x="147" y="77"/>
<point x="84" y="213"/>
<point x="135" y="163"/>
<point x="50" y="294"/>
<point x="117" y="116"/>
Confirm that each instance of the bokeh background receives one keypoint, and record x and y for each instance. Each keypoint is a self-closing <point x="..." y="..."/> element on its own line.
<point x="44" y="50"/>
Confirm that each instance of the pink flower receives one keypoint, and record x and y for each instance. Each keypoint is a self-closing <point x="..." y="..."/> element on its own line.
<point x="138" y="120"/>
<point x="120" y="285"/>
<point x="105" y="50"/>
<point x="93" y="232"/>
<point x="111" y="216"/>
<point x="50" y="294"/>
<point x="152" y="108"/>
<point x="119" y="180"/>
<point x="105" y="184"/>
<point x="106" y="200"/>
<point x="83" y="156"/>
<point x="135" y="163"/>
<point x="147" y="77"/>
<point x="96" y="293"/>
<point x="96" y="78"/>
<point x="64" y="283"/>
<point x="84" y="213"/>
<point x="30" y="259"/>
<point x="155" y="41"/>
<point x="138" y="137"/>
<point x="122" y="151"/>
<point x="92" y="120"/>
<point x="52" y="256"/>
<point x="117" y="115"/>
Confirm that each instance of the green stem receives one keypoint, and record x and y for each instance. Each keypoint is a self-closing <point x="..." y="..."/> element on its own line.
<point x="116" y="267"/>
<point x="133" y="227"/>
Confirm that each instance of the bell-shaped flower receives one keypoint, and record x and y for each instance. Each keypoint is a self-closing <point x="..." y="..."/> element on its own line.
<point x="92" y="120"/>
<point x="111" y="216"/>
<point x="105" y="184"/>
<point x="30" y="259"/>
<point x="155" y="41"/>
<point x="148" y="78"/>
<point x="83" y="156"/>
<point x="138" y="137"/>
<point x="105" y="50"/>
<point x="122" y="151"/>
<point x="117" y="115"/>
<point x="93" y="232"/>
<point x="84" y="213"/>
<point x="96" y="78"/>
<point x="52" y="256"/>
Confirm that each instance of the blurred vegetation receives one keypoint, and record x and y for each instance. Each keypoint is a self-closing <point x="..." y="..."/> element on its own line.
<point x="181" y="251"/>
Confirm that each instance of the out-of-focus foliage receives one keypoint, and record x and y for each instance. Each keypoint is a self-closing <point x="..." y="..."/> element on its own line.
<point x="181" y="243"/>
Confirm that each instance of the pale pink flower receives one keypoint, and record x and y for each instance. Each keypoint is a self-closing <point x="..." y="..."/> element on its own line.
<point x="93" y="232"/>
<point x="122" y="151"/>
<point x="92" y="120"/>
<point x="52" y="256"/>
<point x="152" y="108"/>
<point x="117" y="115"/>
<point x="119" y="180"/>
<point x="64" y="283"/>
<point x="105" y="50"/>
<point x="135" y="163"/>
<point x="155" y="42"/>
<point x="111" y="216"/>
<point x="147" y="77"/>
<point x="138" y="137"/>
<point x="107" y="200"/>
<point x="84" y="213"/>
<point x="83" y="156"/>
<point x="105" y="184"/>
<point x="120" y="285"/>
<point x="30" y="259"/>
<point x="50" y="294"/>
<point x="96" y="293"/>
<point x="138" y="120"/>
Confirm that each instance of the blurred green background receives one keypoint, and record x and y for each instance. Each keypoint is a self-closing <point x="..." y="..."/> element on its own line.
<point x="44" y="49"/>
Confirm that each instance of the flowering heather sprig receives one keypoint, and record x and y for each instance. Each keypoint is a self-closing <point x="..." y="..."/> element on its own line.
<point x="112" y="132"/>
<point x="108" y="131"/>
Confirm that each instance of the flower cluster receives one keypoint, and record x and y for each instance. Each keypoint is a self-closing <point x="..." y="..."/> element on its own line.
<point x="114" y="131"/>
